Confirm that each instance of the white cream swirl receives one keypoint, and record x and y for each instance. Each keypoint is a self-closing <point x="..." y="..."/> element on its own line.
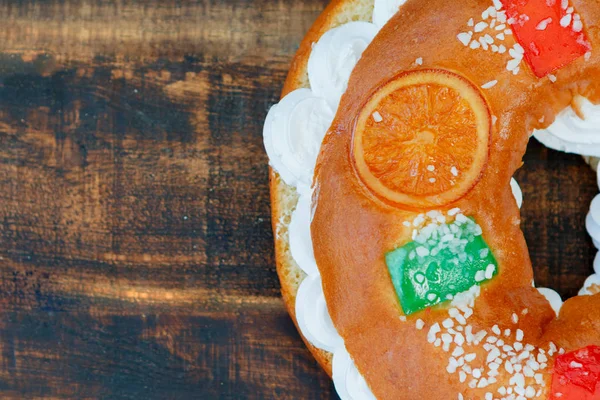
<point x="313" y="317"/>
<point x="301" y="245"/>
<point x="292" y="134"/>
<point x="592" y="221"/>
<point x="592" y="283"/>
<point x="517" y="193"/>
<point x="592" y="224"/>
<point x="590" y="286"/>
<point x="553" y="298"/>
<point x="384" y="10"/>
<point x="571" y="134"/>
<point x="349" y="383"/>
<point x="333" y="58"/>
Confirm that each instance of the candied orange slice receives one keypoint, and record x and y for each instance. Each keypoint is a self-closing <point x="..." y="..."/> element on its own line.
<point x="422" y="139"/>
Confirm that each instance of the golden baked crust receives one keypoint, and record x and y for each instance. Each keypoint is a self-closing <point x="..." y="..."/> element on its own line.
<point x="385" y="351"/>
<point x="397" y="362"/>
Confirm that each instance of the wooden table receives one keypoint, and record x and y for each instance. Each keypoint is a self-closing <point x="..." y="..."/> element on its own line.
<point x="136" y="255"/>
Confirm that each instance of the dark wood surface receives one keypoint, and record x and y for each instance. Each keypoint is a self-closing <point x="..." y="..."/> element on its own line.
<point x="136" y="255"/>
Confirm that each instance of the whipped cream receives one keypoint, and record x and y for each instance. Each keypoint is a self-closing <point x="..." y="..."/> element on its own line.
<point x="592" y="224"/>
<point x="593" y="281"/>
<point x="349" y="383"/>
<point x="553" y="298"/>
<point x="301" y="245"/>
<point x="313" y="316"/>
<point x="592" y="221"/>
<point x="516" y="190"/>
<point x="293" y="132"/>
<point x="333" y="58"/>
<point x="384" y="10"/>
<point x="571" y="134"/>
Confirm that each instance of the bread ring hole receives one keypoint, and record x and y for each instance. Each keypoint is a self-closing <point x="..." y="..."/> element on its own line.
<point x="557" y="190"/>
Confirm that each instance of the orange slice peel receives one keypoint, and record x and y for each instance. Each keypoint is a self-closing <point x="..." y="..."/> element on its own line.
<point x="422" y="139"/>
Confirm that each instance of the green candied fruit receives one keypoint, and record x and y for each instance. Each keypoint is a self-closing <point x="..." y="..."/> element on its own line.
<point x="442" y="261"/>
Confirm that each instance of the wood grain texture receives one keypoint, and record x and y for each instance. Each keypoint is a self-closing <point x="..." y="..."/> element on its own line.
<point x="135" y="249"/>
<point x="135" y="246"/>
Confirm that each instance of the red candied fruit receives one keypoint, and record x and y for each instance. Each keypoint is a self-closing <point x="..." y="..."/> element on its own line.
<point x="550" y="31"/>
<point x="577" y="375"/>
